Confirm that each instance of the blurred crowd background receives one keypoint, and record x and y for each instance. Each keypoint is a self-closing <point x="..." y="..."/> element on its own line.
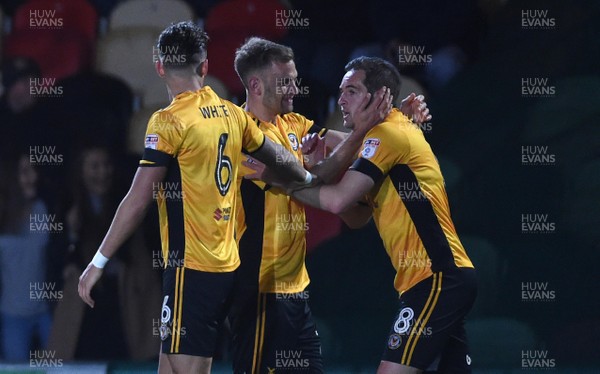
<point x="514" y="89"/>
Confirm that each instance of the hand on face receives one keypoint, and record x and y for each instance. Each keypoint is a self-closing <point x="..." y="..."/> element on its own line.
<point x="361" y="110"/>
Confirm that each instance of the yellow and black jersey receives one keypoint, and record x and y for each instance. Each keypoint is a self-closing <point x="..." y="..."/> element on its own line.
<point x="410" y="205"/>
<point x="272" y="226"/>
<point x="199" y="138"/>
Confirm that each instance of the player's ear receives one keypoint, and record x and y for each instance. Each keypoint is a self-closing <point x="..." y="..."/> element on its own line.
<point x="203" y="68"/>
<point x="255" y="85"/>
<point x="160" y="69"/>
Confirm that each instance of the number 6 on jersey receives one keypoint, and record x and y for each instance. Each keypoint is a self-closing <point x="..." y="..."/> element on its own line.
<point x="223" y="162"/>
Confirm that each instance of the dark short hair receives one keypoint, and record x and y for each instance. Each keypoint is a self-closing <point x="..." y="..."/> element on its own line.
<point x="182" y="45"/>
<point x="257" y="54"/>
<point x="378" y="73"/>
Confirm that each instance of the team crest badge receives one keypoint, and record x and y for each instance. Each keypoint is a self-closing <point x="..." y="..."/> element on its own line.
<point x="293" y="141"/>
<point x="394" y="341"/>
<point x="370" y="148"/>
<point x="151" y="141"/>
<point x="164" y="332"/>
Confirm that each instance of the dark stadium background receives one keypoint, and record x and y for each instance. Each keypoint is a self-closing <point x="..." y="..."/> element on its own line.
<point x="514" y="89"/>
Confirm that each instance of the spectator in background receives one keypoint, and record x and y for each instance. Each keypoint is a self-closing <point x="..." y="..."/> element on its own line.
<point x="432" y="51"/>
<point x="129" y="282"/>
<point x="18" y="108"/>
<point x="322" y="42"/>
<point x="25" y="229"/>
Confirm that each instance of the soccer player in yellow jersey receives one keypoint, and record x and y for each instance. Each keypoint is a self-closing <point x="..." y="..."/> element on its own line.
<point x="190" y="164"/>
<point x="399" y="175"/>
<point x="272" y="323"/>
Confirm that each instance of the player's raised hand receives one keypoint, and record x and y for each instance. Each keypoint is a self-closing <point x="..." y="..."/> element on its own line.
<point x="87" y="280"/>
<point x="372" y="111"/>
<point x="313" y="149"/>
<point x="415" y="108"/>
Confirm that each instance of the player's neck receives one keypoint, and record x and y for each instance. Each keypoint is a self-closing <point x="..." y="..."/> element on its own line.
<point x="178" y="84"/>
<point x="254" y="106"/>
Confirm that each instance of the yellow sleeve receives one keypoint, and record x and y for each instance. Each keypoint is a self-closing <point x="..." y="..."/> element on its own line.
<point x="383" y="148"/>
<point x="164" y="136"/>
<point x="252" y="138"/>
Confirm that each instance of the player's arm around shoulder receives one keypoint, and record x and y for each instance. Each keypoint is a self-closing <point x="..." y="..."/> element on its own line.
<point x="129" y="214"/>
<point x="337" y="198"/>
<point x="272" y="154"/>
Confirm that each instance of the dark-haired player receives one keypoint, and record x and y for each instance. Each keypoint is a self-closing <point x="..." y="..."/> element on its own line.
<point x="270" y="314"/>
<point x="399" y="175"/>
<point x="190" y="164"/>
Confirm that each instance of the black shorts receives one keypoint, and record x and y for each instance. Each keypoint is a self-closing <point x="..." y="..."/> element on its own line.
<point x="194" y="307"/>
<point x="428" y="332"/>
<point x="274" y="332"/>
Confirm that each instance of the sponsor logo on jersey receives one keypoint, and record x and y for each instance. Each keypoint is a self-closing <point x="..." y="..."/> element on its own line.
<point x="224" y="214"/>
<point x="370" y="148"/>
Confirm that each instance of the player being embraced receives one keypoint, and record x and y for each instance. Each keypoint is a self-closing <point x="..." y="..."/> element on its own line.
<point x="270" y="313"/>
<point x="396" y="180"/>
<point x="190" y="164"/>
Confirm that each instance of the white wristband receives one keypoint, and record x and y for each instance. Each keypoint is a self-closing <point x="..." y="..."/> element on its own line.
<point x="308" y="178"/>
<point x="99" y="260"/>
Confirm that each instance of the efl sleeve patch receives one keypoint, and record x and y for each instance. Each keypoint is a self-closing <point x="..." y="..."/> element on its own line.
<point x="370" y="147"/>
<point x="151" y="141"/>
